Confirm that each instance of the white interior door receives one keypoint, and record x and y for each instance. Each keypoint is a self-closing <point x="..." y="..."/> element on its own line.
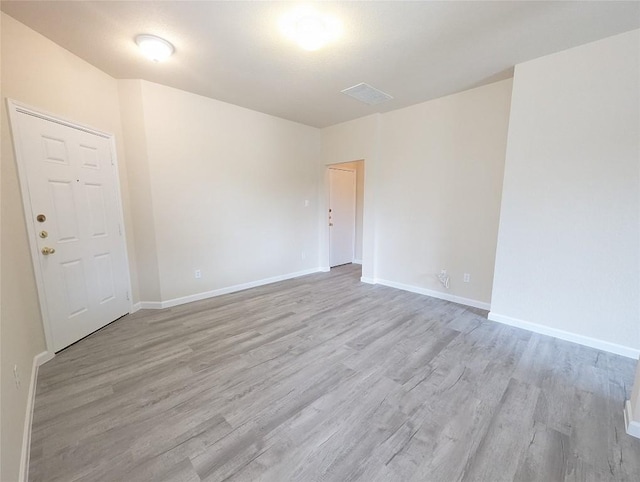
<point x="69" y="182"/>
<point x="342" y="216"/>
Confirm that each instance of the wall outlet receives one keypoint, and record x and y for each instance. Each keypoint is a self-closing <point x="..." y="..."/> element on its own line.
<point x="16" y="376"/>
<point x="467" y="278"/>
<point x="198" y="274"/>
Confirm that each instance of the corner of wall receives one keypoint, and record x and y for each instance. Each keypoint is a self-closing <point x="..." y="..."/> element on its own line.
<point x="142" y="214"/>
<point x="38" y="360"/>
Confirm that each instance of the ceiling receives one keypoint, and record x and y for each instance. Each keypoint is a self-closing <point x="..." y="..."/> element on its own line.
<point x="234" y="52"/>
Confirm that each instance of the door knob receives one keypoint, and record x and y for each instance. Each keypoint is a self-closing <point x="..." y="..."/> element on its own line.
<point x="47" y="251"/>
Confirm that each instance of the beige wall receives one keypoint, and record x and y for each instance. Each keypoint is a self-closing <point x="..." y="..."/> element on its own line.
<point x="41" y="74"/>
<point x="138" y="171"/>
<point x="442" y="164"/>
<point x="568" y="252"/>
<point x="432" y="188"/>
<point x="227" y="192"/>
<point x="352" y="141"/>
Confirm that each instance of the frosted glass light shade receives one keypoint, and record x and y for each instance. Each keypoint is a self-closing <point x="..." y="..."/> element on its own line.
<point x="154" y="48"/>
<point x="310" y="29"/>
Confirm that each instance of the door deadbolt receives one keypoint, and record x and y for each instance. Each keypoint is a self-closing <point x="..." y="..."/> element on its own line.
<point x="43" y="234"/>
<point x="47" y="251"/>
<point x="41" y="218"/>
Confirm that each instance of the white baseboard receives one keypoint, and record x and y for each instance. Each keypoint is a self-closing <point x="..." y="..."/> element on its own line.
<point x="632" y="426"/>
<point x="38" y="360"/>
<point x="135" y="307"/>
<point x="324" y="269"/>
<point x="357" y="261"/>
<point x="567" y="336"/>
<point x="434" y="294"/>
<point x="158" y="305"/>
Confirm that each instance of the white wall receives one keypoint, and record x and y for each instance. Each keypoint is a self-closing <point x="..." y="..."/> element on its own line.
<point x="138" y="171"/>
<point x="433" y="180"/>
<point x="355" y="140"/>
<point x="438" y="200"/>
<point x="568" y="253"/>
<point x="38" y="72"/>
<point x="227" y="192"/>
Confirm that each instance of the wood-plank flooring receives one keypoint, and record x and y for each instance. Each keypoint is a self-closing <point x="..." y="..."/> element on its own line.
<point x="323" y="378"/>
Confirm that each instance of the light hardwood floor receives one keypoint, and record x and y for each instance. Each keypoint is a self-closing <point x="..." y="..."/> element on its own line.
<point x="323" y="378"/>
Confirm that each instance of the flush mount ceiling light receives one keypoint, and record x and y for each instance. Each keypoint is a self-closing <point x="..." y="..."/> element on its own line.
<point x="154" y="48"/>
<point x="311" y="29"/>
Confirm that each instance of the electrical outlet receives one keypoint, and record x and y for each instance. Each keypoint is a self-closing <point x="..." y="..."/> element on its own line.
<point x="467" y="278"/>
<point x="198" y="274"/>
<point x="16" y="376"/>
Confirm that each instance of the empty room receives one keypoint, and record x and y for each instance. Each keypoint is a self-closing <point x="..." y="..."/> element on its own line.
<point x="320" y="241"/>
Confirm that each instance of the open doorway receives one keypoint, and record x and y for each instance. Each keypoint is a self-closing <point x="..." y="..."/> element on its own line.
<point x="345" y="212"/>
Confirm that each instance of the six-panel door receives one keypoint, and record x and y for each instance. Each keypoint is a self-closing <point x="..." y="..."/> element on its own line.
<point x="81" y="251"/>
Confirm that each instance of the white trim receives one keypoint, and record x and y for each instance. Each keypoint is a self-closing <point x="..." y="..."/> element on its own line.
<point x="14" y="108"/>
<point x="567" y="336"/>
<point x="324" y="269"/>
<point x="158" y="305"/>
<point x="369" y="281"/>
<point x="135" y="307"/>
<point x="357" y="261"/>
<point x="632" y="426"/>
<point x="38" y="360"/>
<point x="424" y="291"/>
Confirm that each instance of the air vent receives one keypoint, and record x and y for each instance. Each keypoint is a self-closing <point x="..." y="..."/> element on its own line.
<point x="367" y="94"/>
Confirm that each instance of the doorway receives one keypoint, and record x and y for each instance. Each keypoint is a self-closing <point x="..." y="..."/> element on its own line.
<point x="71" y="198"/>
<point x="342" y="216"/>
<point x="345" y="212"/>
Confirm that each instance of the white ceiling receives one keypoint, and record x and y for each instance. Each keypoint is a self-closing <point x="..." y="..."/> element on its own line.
<point x="234" y="52"/>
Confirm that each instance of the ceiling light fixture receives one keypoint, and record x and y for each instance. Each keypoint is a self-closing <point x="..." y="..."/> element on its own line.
<point x="312" y="30"/>
<point x="154" y="48"/>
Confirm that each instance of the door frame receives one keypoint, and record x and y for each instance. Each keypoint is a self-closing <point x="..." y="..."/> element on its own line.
<point x="355" y="205"/>
<point x="14" y="108"/>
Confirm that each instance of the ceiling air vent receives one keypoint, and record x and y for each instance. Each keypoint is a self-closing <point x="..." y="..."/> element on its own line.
<point x="367" y="94"/>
